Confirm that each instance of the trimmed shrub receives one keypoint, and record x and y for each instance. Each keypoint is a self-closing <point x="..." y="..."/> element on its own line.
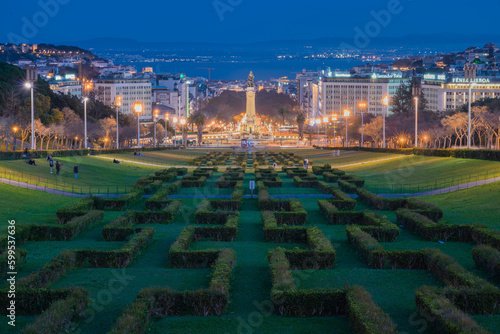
<point x="365" y="244"/>
<point x="165" y="216"/>
<point x="365" y="316"/>
<point x="120" y="258"/>
<point x="119" y="229"/>
<point x="347" y="187"/>
<point x="487" y="258"/>
<point x="447" y="317"/>
<point x="76" y="209"/>
<point x="60" y="317"/>
<point x="68" y="231"/>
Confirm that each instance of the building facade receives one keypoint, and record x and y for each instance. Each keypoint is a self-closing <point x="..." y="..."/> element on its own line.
<point x="449" y="93"/>
<point x="131" y="90"/>
<point x="337" y="94"/>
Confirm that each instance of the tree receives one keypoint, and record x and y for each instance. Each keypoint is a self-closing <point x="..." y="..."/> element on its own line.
<point x="402" y="101"/>
<point x="199" y="120"/>
<point x="458" y="123"/>
<point x="374" y="129"/>
<point x="301" y="119"/>
<point x="283" y="111"/>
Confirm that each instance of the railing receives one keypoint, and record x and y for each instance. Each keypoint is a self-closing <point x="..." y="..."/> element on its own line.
<point x="39" y="183"/>
<point x="449" y="183"/>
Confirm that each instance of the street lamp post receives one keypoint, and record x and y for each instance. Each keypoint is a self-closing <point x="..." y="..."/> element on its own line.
<point x="470" y="76"/>
<point x="175" y="130"/>
<point x="346" y="115"/>
<point x="183" y="122"/>
<point x="118" y="104"/>
<point x="85" y="99"/>
<point x="138" y="107"/>
<point x="325" y="120"/>
<point x="14" y="130"/>
<point x="362" y="106"/>
<point x="385" y="102"/>
<point x="416" y="93"/>
<point x="30" y="85"/>
<point x="154" y="125"/>
<point x="334" y="119"/>
<point x="166" y="128"/>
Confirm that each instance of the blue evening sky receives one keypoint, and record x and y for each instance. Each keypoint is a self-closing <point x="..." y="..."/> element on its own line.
<point x="236" y="20"/>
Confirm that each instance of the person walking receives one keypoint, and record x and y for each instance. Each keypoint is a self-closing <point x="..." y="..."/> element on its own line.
<point x="75" y="169"/>
<point x="275" y="166"/>
<point x="58" y="167"/>
<point x="51" y="164"/>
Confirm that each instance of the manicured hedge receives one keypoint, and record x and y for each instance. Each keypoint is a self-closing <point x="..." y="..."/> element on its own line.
<point x="487" y="258"/>
<point x="342" y="201"/>
<point x="76" y="209"/>
<point x="62" y="314"/>
<point x="447" y="318"/>
<point x="365" y="316"/>
<point x="119" y="229"/>
<point x="159" y="200"/>
<point x="68" y="231"/>
<point x="296" y="215"/>
<point x="120" y="258"/>
<point x="365" y="244"/>
<point x="165" y="216"/>
<point x="330" y="177"/>
<point x="353" y="179"/>
<point x="320" y="170"/>
<point x="190" y="181"/>
<point x="433" y="231"/>
<point x="347" y="187"/>
<point x="380" y="203"/>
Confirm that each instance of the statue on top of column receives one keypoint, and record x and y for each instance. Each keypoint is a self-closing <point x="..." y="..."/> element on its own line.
<point x="250" y="80"/>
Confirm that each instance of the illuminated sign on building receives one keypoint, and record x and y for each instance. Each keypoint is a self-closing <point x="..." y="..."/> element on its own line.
<point x="438" y="77"/>
<point x="477" y="80"/>
<point x="387" y="76"/>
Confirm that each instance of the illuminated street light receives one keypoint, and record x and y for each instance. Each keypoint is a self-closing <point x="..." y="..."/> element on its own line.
<point x="118" y="104"/>
<point x="362" y="106"/>
<point x="166" y="127"/>
<point x="346" y="115"/>
<point x="154" y="125"/>
<point x="138" y="108"/>
<point x="183" y="122"/>
<point x="30" y="86"/>
<point x="175" y="126"/>
<point x="14" y="130"/>
<point x="334" y="119"/>
<point x="85" y="99"/>
<point x="385" y="102"/>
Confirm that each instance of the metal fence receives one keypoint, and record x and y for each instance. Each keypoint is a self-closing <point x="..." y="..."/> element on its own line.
<point x="39" y="183"/>
<point x="445" y="184"/>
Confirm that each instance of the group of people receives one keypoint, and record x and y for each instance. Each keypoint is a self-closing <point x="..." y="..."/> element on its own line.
<point x="139" y="154"/>
<point x="58" y="165"/>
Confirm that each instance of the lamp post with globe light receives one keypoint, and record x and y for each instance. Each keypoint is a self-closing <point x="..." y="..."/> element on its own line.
<point x="138" y="108"/>
<point x="183" y="122"/>
<point x="347" y="113"/>
<point x="175" y="129"/>
<point x="118" y="104"/>
<point x="385" y="102"/>
<point x="362" y="107"/>
<point x="334" y="119"/>
<point x="325" y="120"/>
<point x="30" y="86"/>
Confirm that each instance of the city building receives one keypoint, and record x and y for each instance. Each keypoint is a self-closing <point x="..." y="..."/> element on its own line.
<point x="336" y="94"/>
<point x="445" y="92"/>
<point x="306" y="82"/>
<point x="132" y="90"/>
<point x="66" y="85"/>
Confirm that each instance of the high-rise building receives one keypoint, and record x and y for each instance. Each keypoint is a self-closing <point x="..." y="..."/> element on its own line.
<point x="345" y="91"/>
<point x="132" y="90"/>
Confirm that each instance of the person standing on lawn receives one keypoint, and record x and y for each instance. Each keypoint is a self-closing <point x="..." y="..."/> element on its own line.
<point x="51" y="164"/>
<point x="58" y="167"/>
<point x="75" y="169"/>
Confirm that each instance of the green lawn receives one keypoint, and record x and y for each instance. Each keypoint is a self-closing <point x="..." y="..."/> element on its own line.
<point x="392" y="290"/>
<point x="93" y="172"/>
<point x="29" y="206"/>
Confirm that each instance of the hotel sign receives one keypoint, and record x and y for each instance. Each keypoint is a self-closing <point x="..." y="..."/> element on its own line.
<point x="477" y="80"/>
<point x="387" y="76"/>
